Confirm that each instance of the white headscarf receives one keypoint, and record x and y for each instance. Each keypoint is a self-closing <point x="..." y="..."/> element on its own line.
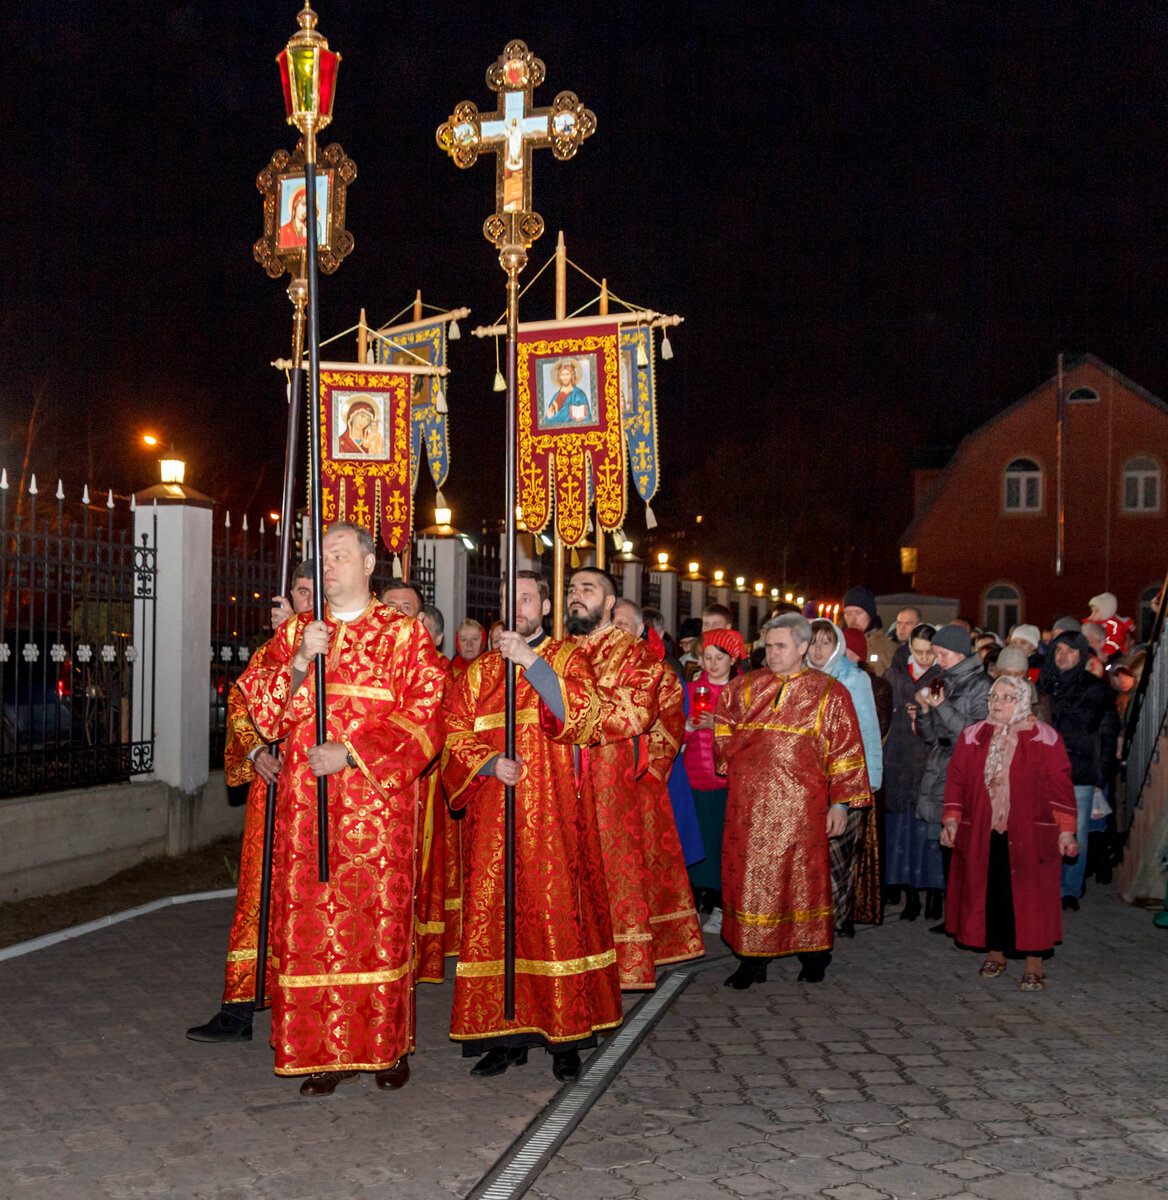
<point x="1002" y="747"/>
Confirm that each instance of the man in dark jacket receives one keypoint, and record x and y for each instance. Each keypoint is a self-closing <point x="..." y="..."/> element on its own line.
<point x="1082" y="711"/>
<point x="962" y="698"/>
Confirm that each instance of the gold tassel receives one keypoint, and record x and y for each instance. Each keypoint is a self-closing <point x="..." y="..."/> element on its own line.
<point x="453" y="333"/>
<point x="439" y="399"/>
<point x="575" y="559"/>
<point x="440" y="500"/>
<point x="666" y="346"/>
<point x="500" y="384"/>
<point x="650" y="519"/>
<point x="397" y="567"/>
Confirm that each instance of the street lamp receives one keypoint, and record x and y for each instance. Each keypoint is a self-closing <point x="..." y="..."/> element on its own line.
<point x="171" y="468"/>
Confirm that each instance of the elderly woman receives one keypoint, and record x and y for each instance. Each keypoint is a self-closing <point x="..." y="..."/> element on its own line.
<point x="1010" y="819"/>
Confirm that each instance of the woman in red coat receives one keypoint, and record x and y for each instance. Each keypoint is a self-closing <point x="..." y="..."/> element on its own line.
<point x="1009" y="817"/>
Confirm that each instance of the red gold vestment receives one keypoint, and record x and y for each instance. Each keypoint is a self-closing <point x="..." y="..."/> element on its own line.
<point x="790" y="747"/>
<point x="430" y="923"/>
<point x="648" y="888"/>
<point x="566" y="984"/>
<point x="343" y="950"/>
<point x="242" y="739"/>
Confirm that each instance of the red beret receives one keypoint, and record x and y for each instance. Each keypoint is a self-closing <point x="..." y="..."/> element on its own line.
<point x="729" y="640"/>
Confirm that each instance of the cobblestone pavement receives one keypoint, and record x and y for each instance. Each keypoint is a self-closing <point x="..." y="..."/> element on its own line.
<point x="903" y="1075"/>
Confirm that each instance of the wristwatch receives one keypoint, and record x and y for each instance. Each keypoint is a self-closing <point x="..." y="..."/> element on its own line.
<point x="350" y="759"/>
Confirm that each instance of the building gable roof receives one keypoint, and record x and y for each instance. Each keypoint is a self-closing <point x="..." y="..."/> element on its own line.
<point x="1070" y="364"/>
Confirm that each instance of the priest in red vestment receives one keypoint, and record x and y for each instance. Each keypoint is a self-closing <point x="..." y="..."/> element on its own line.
<point x="342" y="951"/>
<point x="247" y="760"/>
<point x="566" y="983"/>
<point x="788" y="741"/>
<point x="653" y="917"/>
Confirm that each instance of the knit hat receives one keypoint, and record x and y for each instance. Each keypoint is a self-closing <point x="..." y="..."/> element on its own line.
<point x="1105" y="602"/>
<point x="1028" y="633"/>
<point x="857" y="643"/>
<point x="953" y="638"/>
<point x="1013" y="658"/>
<point x="691" y="627"/>
<point x="1067" y="625"/>
<point x="729" y="640"/>
<point x="860" y="597"/>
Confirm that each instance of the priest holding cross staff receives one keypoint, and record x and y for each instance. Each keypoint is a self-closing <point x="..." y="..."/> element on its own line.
<point x="512" y="132"/>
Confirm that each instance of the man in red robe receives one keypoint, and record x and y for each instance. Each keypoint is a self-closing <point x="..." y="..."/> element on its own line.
<point x="566" y="984"/>
<point x="343" y="999"/>
<point x="246" y="759"/>
<point x="789" y="743"/>
<point x="653" y="916"/>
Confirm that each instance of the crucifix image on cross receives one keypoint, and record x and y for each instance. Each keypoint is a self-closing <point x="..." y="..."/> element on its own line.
<point x="511" y="133"/>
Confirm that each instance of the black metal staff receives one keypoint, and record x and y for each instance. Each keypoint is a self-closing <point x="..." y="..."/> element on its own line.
<point x="511" y="132"/>
<point x="297" y="294"/>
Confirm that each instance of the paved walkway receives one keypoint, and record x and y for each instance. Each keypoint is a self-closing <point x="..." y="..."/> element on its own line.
<point x="903" y="1075"/>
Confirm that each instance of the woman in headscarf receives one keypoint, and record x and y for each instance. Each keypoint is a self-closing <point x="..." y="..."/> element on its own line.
<point x="912" y="858"/>
<point x="1010" y="819"/>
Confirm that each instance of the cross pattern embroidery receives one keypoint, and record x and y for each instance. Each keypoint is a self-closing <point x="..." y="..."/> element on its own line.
<point x="512" y="132"/>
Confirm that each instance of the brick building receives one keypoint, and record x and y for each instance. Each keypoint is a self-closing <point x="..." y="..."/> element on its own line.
<point x="985" y="527"/>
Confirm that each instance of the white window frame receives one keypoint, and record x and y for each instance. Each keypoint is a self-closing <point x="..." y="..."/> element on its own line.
<point x="1024" y="478"/>
<point x="1142" y="477"/>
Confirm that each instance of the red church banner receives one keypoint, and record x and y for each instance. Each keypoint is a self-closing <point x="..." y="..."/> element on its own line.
<point x="570" y="434"/>
<point x="364" y="431"/>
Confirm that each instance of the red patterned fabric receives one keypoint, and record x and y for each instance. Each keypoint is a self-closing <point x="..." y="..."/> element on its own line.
<point x="566" y="985"/>
<point x="343" y="950"/>
<point x="643" y="864"/>
<point x="790" y="747"/>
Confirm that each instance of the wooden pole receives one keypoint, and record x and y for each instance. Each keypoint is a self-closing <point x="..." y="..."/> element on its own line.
<point x="601" y="548"/>
<point x="362" y="338"/>
<point x="558" y="544"/>
<point x="418" y="305"/>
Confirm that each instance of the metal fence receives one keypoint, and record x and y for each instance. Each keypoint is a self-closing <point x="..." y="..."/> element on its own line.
<point x="78" y="608"/>
<point x="244" y="578"/>
<point x="424" y="570"/>
<point x="1146" y="714"/>
<point x="484" y="572"/>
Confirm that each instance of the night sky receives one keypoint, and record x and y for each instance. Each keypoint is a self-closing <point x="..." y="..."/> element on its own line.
<point x="882" y="222"/>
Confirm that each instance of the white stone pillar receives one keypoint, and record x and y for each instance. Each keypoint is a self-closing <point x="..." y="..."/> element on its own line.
<point x="743" y="601"/>
<point x="172" y="672"/>
<point x="629" y="577"/>
<point x="668" y="605"/>
<point x="449" y="555"/>
<point x="697" y="598"/>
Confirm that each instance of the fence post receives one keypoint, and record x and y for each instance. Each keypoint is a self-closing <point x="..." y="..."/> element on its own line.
<point x="697" y="598"/>
<point x="179" y="641"/>
<point x="449" y="555"/>
<point x="668" y="605"/>
<point x="630" y="577"/>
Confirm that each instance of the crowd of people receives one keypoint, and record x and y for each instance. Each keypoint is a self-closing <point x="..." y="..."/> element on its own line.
<point x="782" y="793"/>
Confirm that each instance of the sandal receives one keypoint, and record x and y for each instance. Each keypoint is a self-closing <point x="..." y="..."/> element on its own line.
<point x="1032" y="982"/>
<point x="991" y="968"/>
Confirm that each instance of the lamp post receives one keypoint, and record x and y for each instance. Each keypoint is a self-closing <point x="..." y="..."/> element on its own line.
<point x="172" y="469"/>
<point x="308" y="71"/>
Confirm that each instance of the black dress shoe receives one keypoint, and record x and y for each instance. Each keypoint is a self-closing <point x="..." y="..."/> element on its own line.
<point x="395" y="1077"/>
<point x="325" y="1083"/>
<point x="812" y="973"/>
<point x="934" y="904"/>
<point x="224" y="1026"/>
<point x="496" y="1061"/>
<point x="566" y="1065"/>
<point x="1070" y="904"/>
<point x="912" y="906"/>
<point x="743" y="977"/>
<point x="846" y="929"/>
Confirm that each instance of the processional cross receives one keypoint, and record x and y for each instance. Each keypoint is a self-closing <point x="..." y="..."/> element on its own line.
<point x="512" y="132"/>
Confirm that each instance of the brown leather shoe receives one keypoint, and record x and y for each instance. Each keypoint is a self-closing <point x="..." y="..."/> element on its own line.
<point x="325" y="1083"/>
<point x="396" y="1077"/>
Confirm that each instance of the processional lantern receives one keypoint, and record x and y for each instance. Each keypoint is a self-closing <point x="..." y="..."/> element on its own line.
<point x="308" y="70"/>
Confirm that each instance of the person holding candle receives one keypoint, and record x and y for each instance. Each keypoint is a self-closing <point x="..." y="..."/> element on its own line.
<point x="721" y="650"/>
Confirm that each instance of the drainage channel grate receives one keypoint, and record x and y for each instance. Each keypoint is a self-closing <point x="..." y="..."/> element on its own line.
<point x="523" y="1161"/>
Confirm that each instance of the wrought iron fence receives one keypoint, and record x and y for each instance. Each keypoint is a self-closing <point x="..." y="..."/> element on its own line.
<point x="244" y="577"/>
<point x="1146" y="713"/>
<point x="78" y="606"/>
<point x="484" y="572"/>
<point x="423" y="570"/>
<point x="650" y="589"/>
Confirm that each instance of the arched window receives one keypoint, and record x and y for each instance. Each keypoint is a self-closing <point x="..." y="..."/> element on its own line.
<point x="1141" y="485"/>
<point x="1083" y="395"/>
<point x="1002" y="606"/>
<point x="1023" y="486"/>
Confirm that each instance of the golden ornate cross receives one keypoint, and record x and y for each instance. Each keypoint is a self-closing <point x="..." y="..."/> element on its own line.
<point x="512" y="132"/>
